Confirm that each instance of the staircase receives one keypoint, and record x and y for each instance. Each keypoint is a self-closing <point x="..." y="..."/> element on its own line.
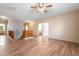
<point x="20" y="34"/>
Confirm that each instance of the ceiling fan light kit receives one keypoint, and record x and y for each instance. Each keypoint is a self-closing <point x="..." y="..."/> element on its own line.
<point x="41" y="7"/>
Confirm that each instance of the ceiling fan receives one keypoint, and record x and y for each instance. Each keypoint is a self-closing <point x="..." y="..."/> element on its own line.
<point x="41" y="7"/>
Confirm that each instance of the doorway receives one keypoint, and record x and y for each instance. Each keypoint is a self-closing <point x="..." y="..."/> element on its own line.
<point x="2" y="29"/>
<point x="43" y="29"/>
<point x="40" y="29"/>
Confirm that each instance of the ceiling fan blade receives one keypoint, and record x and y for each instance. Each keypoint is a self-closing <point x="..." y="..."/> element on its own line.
<point x="45" y="11"/>
<point x="49" y="6"/>
<point x="33" y="7"/>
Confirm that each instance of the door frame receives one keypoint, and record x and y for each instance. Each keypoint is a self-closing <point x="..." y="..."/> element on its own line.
<point x="42" y="28"/>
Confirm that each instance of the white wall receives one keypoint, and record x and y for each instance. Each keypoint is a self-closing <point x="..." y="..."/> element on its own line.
<point x="15" y="25"/>
<point x="64" y="26"/>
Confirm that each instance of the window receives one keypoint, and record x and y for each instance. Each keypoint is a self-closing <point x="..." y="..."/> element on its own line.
<point x="2" y="27"/>
<point x="26" y="27"/>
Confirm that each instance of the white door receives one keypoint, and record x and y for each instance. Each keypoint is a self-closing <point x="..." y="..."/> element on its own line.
<point x="45" y="29"/>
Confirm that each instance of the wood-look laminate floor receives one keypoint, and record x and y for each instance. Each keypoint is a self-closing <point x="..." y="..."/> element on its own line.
<point x="37" y="46"/>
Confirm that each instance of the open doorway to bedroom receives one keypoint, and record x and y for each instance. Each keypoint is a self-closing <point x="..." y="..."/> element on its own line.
<point x="40" y="29"/>
<point x="43" y="29"/>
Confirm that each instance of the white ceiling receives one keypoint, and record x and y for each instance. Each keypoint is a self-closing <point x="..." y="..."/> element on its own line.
<point x="23" y="12"/>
